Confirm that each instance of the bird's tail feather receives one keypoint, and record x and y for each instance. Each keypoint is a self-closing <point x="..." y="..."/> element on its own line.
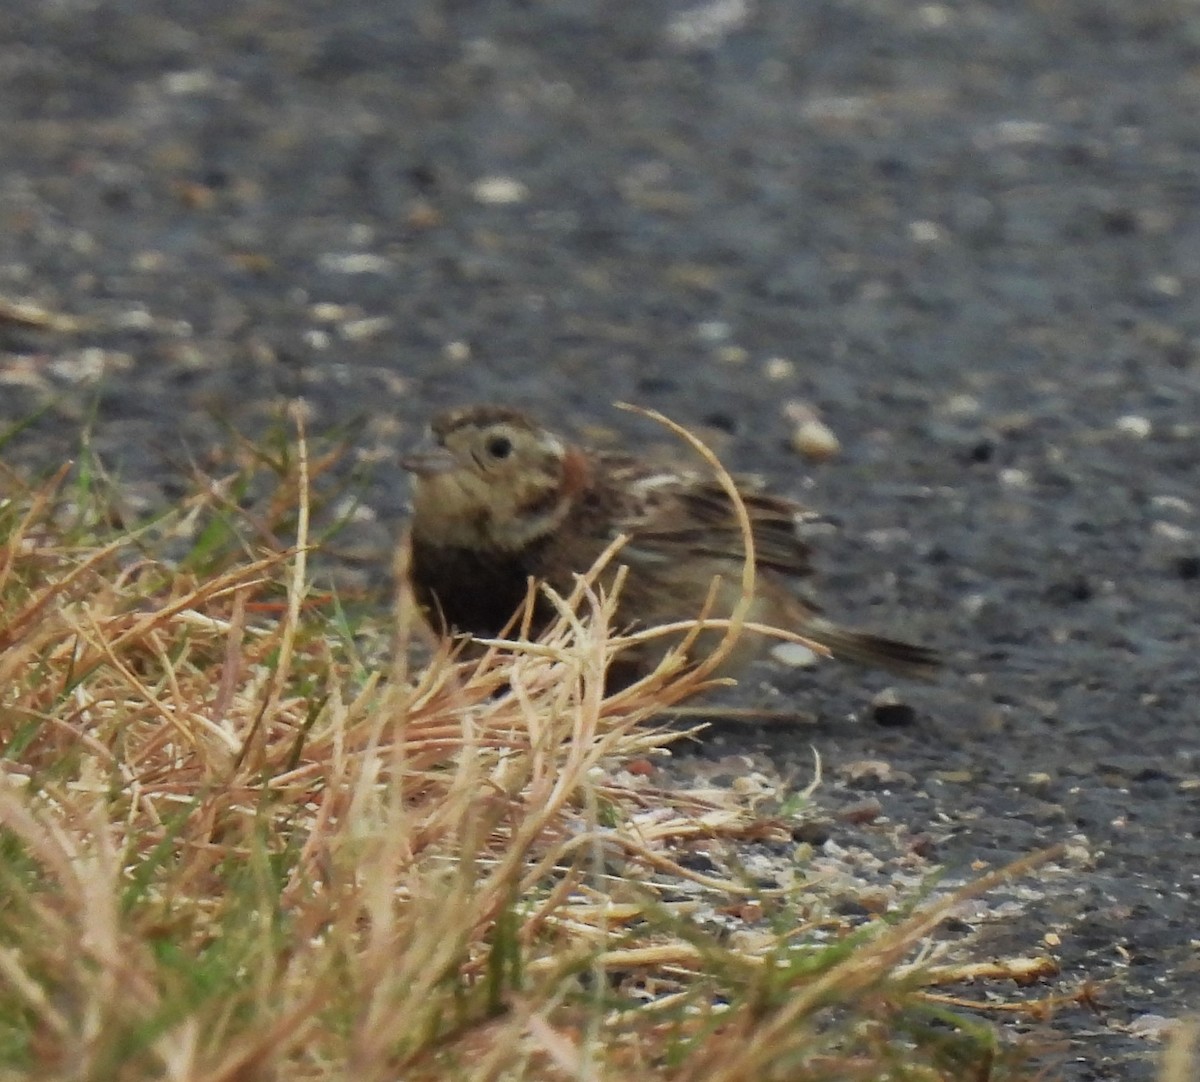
<point x="876" y="651"/>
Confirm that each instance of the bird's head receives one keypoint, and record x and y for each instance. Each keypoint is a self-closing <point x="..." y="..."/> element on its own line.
<point x="492" y="479"/>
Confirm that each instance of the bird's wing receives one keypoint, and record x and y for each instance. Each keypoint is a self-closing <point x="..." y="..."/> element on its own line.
<point x="671" y="515"/>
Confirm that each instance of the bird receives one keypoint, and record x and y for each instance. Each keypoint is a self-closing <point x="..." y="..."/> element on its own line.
<point x="499" y="500"/>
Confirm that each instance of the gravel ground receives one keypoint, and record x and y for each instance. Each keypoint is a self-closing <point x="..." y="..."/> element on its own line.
<point x="967" y="233"/>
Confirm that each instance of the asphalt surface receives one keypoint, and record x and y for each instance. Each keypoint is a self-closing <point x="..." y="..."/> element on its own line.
<point x="967" y="233"/>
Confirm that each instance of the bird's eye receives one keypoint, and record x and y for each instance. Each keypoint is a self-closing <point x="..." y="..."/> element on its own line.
<point x="499" y="447"/>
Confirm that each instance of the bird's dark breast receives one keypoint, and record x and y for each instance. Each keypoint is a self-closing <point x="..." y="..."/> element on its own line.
<point x="468" y="591"/>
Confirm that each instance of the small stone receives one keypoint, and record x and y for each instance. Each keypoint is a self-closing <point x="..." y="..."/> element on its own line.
<point x="196" y="81"/>
<point x="811" y="436"/>
<point x="851" y="907"/>
<point x="1171" y="531"/>
<point x="865" y="811"/>
<point x="1046" y="812"/>
<point x="982" y="451"/>
<point x="812" y="831"/>
<point x="90" y="364"/>
<point x="1153" y="1027"/>
<point x="360" y="330"/>
<point x="934" y="16"/>
<point x="890" y="711"/>
<point x="733" y="355"/>
<point x="355" y="263"/>
<point x="134" y="319"/>
<point x="148" y="262"/>
<point x="499" y="191"/>
<point x="926" y="232"/>
<point x="751" y="912"/>
<point x="324" y="312"/>
<point x="875" y="902"/>
<point x="962" y="405"/>
<point x="720" y="420"/>
<point x="1037" y="782"/>
<point x="713" y="330"/>
<point x="794" y="655"/>
<point x="1070" y="590"/>
<point x="922" y="845"/>
<point x="423" y="215"/>
<point x="886" y="537"/>
<point x="815" y="440"/>
<point x="1014" y="132"/>
<point x="1133" y="425"/>
<point x="872" y="774"/>
<point x="706" y="25"/>
<point x="1172" y="503"/>
<point x="778" y="368"/>
<point x="836" y="109"/>
<point x="1167" y="284"/>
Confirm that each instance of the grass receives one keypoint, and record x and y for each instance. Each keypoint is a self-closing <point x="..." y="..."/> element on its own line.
<point x="243" y="836"/>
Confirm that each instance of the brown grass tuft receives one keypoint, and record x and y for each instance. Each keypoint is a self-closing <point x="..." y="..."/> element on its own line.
<point x="241" y="838"/>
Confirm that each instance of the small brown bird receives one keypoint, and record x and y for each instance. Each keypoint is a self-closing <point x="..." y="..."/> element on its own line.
<point x="498" y="500"/>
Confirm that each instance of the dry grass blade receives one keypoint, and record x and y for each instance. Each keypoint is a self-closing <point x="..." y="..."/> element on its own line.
<point x="23" y="313"/>
<point x="297" y="586"/>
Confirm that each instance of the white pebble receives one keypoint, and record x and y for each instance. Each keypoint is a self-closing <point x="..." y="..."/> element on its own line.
<point x="934" y="16"/>
<point x="89" y="365"/>
<point x="1169" y="531"/>
<point x="962" y="405"/>
<point x="359" y="330"/>
<point x="816" y="440"/>
<point x="713" y="330"/>
<point x="135" y="319"/>
<point x="973" y="604"/>
<point x="324" y="312"/>
<point x="1008" y="133"/>
<point x="499" y="191"/>
<point x="926" y="232"/>
<point x="188" y="82"/>
<point x="1172" y="503"/>
<point x="1167" y="284"/>
<point x="794" y="655"/>
<point x="355" y="263"/>
<point x="1153" y="1027"/>
<point x="1133" y="425"/>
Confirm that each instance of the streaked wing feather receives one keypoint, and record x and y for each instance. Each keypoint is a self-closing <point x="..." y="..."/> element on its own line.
<point x="687" y="513"/>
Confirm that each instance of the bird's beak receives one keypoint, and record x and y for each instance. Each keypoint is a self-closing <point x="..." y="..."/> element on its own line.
<point x="429" y="463"/>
